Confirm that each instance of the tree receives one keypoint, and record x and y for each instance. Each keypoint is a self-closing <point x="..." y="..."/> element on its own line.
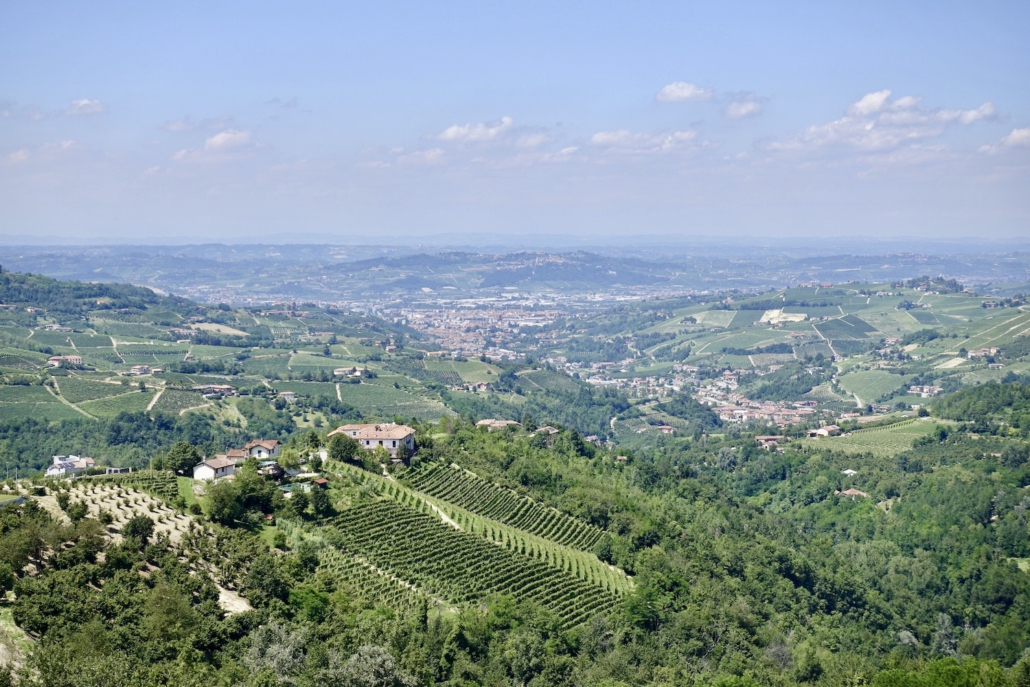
<point x="299" y="500"/>
<point x="266" y="581"/>
<point x="342" y="447"/>
<point x="77" y="511"/>
<point x="224" y="505"/>
<point x="320" y="502"/>
<point x="170" y="617"/>
<point x="182" y="457"/>
<point x="6" y="578"/>
<point x="371" y="666"/>
<point x="139" y="527"/>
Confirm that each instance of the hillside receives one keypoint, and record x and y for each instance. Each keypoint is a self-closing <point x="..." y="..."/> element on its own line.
<point x="507" y="558"/>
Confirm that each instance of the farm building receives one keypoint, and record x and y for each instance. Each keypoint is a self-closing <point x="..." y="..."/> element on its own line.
<point x="262" y="448"/>
<point x="390" y="436"/>
<point x="491" y="424"/>
<point x="69" y="466"/>
<point x="214" y="469"/>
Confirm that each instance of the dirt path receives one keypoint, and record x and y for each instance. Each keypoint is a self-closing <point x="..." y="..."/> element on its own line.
<point x="150" y="406"/>
<point x="186" y="410"/>
<point x="339" y="397"/>
<point x="60" y="397"/>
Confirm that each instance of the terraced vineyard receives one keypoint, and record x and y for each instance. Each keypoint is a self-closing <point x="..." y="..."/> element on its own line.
<point x="131" y="401"/>
<point x="485" y="498"/>
<point x="79" y="390"/>
<point x="370" y="583"/>
<point x="583" y="564"/>
<point x="457" y="566"/>
<point x="177" y="400"/>
<point x="889" y="440"/>
<point x="160" y="483"/>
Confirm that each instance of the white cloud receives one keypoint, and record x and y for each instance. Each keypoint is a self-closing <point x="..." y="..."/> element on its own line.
<point x="18" y="157"/>
<point x="744" y="105"/>
<point x="876" y="123"/>
<point x="871" y="103"/>
<point x="230" y="139"/>
<point x="1017" y="138"/>
<point x="222" y="146"/>
<point x="680" y="91"/>
<point x="476" y="132"/>
<point x="625" y="141"/>
<point x="85" y="106"/>
<point x="563" y="155"/>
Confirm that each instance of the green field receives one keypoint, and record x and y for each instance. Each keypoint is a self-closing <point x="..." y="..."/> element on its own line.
<point x="79" y="390"/>
<point x="546" y="379"/>
<point x="132" y="401"/>
<point x="881" y="441"/>
<point x="467" y="371"/>
<point x="385" y="401"/>
<point x="871" y="385"/>
<point x="176" y="400"/>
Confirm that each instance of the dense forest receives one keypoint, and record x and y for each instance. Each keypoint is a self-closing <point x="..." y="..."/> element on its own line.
<point x="749" y="569"/>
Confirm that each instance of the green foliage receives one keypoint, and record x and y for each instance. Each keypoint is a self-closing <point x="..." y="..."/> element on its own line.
<point x="181" y="458"/>
<point x="342" y="447"/>
<point x="140" y="528"/>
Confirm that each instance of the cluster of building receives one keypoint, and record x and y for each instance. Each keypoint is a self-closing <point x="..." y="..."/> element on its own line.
<point x="224" y="465"/>
<point x="720" y="393"/>
<point x="71" y="465"/>
<point x="480" y="326"/>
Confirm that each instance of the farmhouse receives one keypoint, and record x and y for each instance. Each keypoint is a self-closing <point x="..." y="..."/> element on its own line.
<point x="827" y="431"/>
<point x="492" y="424"/>
<point x="69" y="466"/>
<point x="56" y="360"/>
<point x="769" y="440"/>
<point x="982" y="352"/>
<point x="214" y="469"/>
<point x="139" y="370"/>
<point x="390" y="436"/>
<point x="262" y="448"/>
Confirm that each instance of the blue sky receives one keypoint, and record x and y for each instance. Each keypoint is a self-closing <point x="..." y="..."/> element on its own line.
<point x="240" y="121"/>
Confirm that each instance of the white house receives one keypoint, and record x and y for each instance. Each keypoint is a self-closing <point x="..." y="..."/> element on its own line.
<point x="390" y="436"/>
<point x="214" y="469"/>
<point x="69" y="465"/>
<point x="263" y="448"/>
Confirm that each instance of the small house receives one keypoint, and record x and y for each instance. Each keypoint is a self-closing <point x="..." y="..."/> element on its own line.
<point x="214" y="469"/>
<point x="262" y="448"/>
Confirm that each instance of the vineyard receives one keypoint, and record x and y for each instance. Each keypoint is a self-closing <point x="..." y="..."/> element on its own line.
<point x="160" y="483"/>
<point x="485" y="498"/>
<point x="78" y="390"/>
<point x="366" y="581"/>
<point x="889" y="440"/>
<point x="457" y="566"/>
<point x="131" y="401"/>
<point x="177" y="400"/>
<point x="583" y="564"/>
